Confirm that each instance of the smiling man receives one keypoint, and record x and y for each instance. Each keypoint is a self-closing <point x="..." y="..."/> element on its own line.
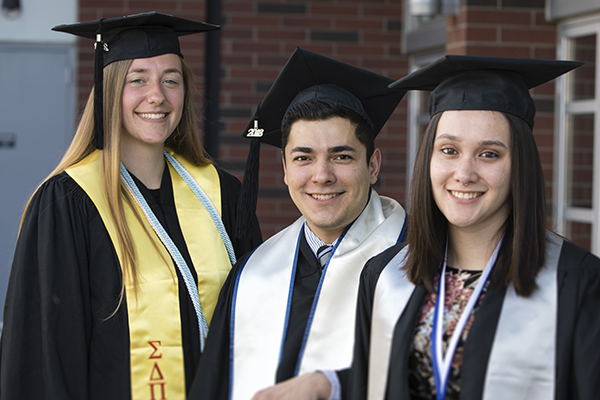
<point x="289" y="307"/>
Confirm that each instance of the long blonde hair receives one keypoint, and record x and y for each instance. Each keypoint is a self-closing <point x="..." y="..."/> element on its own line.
<point x="185" y="140"/>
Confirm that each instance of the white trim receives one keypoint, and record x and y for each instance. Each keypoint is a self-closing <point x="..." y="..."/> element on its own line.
<point x="579" y="107"/>
<point x="578" y="214"/>
<point x="568" y="31"/>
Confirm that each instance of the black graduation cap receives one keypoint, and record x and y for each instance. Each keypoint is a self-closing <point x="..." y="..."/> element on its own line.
<point x="484" y="83"/>
<point x="124" y="38"/>
<point x="11" y="8"/>
<point x="306" y="76"/>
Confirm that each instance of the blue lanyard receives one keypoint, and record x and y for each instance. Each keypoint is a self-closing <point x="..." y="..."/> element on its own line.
<point x="442" y="363"/>
<point x="164" y="237"/>
<point x="191" y="182"/>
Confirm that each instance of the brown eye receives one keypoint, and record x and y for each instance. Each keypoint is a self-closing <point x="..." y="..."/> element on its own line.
<point x="489" y="154"/>
<point x="449" y="151"/>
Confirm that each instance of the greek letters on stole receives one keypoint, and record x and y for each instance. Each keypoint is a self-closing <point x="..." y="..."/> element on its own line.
<point x="157" y="370"/>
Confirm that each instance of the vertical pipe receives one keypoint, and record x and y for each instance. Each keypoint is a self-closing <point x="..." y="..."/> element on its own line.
<point x="212" y="80"/>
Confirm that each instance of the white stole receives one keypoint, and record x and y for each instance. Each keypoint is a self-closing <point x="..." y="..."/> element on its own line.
<point x="392" y="292"/>
<point x="264" y="290"/>
<point x="521" y="364"/>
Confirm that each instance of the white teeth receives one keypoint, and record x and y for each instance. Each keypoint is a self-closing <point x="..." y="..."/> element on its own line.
<point x="323" y="196"/>
<point x="153" y="116"/>
<point x="466" y="195"/>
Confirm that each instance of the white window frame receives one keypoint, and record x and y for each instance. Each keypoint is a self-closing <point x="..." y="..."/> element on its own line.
<point x="568" y="30"/>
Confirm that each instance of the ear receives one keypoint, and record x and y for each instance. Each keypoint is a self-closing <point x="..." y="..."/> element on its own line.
<point x="284" y="168"/>
<point x="375" y="165"/>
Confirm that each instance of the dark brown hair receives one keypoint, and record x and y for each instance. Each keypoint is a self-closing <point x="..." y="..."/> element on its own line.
<point x="321" y="109"/>
<point x="522" y="252"/>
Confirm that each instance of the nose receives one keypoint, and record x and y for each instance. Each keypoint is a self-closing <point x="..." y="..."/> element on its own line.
<point x="323" y="172"/>
<point x="155" y="93"/>
<point x="465" y="171"/>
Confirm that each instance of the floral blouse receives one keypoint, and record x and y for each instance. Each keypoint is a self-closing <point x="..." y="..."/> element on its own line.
<point x="459" y="286"/>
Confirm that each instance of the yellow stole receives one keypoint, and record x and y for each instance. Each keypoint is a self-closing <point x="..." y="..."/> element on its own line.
<point x="157" y="369"/>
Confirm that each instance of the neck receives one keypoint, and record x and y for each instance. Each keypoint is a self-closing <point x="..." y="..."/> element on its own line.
<point x="328" y="236"/>
<point x="471" y="250"/>
<point x="146" y="163"/>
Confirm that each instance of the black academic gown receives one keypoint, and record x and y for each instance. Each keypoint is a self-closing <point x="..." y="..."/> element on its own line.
<point x="578" y="325"/>
<point x="212" y="377"/>
<point x="60" y="340"/>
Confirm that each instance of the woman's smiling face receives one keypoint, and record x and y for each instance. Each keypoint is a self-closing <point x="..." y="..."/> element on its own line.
<point x="153" y="99"/>
<point x="470" y="169"/>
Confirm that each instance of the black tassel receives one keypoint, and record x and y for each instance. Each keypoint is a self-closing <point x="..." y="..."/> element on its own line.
<point x="246" y="209"/>
<point x="11" y="8"/>
<point x="98" y="90"/>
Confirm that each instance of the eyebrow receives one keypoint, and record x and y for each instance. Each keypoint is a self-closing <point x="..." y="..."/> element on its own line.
<point x="483" y="143"/>
<point x="332" y="150"/>
<point x="301" y="149"/>
<point x="166" y="71"/>
<point x="342" y="148"/>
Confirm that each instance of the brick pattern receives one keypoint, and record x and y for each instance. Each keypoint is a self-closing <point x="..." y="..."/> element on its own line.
<point x="192" y="46"/>
<point x="361" y="33"/>
<point x="259" y="36"/>
<point x="257" y="39"/>
<point x="512" y="29"/>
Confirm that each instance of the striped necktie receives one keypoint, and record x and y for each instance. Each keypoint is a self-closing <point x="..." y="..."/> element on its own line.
<point x="323" y="254"/>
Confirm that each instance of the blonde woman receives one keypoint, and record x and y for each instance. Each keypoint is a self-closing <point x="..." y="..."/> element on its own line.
<point x="124" y="248"/>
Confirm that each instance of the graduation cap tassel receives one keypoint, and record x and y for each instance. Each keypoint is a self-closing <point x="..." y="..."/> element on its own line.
<point x="11" y="8"/>
<point x="98" y="90"/>
<point x="246" y="208"/>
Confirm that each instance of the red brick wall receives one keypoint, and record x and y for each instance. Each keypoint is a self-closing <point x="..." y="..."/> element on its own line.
<point x="259" y="36"/>
<point x="257" y="39"/>
<point x="192" y="46"/>
<point x="512" y="28"/>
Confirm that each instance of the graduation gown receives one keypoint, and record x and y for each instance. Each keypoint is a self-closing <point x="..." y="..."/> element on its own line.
<point x="213" y="378"/>
<point x="60" y="339"/>
<point x="572" y="372"/>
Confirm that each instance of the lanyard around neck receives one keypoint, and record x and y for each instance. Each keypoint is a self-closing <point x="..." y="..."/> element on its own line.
<point x="208" y="205"/>
<point x="442" y="363"/>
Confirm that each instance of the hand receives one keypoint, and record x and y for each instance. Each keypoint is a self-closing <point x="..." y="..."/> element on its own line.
<point x="309" y="386"/>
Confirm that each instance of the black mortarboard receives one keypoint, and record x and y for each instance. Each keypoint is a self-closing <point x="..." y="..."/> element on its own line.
<point x="306" y="76"/>
<point x="309" y="75"/>
<point x="484" y="83"/>
<point x="124" y="38"/>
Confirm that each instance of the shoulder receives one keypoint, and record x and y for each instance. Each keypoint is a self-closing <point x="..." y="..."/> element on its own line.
<point x="60" y="190"/>
<point x="58" y="202"/>
<point x="230" y="185"/>
<point x="578" y="277"/>
<point x="573" y="257"/>
<point x="377" y="264"/>
<point x="227" y="178"/>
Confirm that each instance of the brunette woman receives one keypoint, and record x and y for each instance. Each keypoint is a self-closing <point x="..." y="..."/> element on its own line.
<point x="483" y="302"/>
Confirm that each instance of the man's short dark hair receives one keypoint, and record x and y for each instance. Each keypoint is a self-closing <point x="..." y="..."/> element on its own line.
<point x="320" y="110"/>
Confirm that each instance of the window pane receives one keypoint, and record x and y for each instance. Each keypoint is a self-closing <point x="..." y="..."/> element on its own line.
<point x="580" y="167"/>
<point x="583" y="78"/>
<point x="579" y="233"/>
